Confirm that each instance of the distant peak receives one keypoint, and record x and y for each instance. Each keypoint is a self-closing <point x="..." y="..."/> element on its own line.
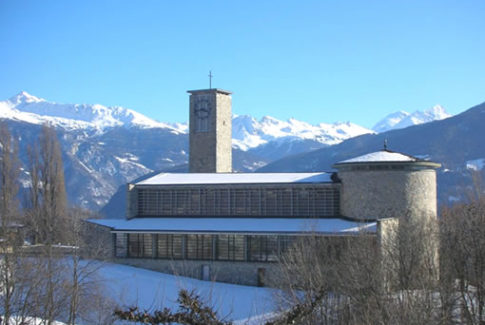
<point x="25" y="97"/>
<point x="402" y="119"/>
<point x="436" y="108"/>
<point x="269" y="119"/>
<point x="242" y="117"/>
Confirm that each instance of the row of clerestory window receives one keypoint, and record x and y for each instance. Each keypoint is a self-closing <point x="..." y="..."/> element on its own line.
<point x="222" y="247"/>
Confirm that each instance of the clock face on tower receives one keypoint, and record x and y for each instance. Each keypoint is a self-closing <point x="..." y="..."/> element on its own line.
<point x="202" y="112"/>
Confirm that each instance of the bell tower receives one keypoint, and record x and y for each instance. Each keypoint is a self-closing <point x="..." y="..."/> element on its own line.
<point x="210" y="131"/>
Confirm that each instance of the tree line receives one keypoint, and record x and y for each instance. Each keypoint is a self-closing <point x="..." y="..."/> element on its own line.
<point x="44" y="272"/>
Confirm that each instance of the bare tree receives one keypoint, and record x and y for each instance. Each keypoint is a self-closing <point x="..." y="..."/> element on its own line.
<point x="343" y="280"/>
<point x="62" y="279"/>
<point x="46" y="280"/>
<point x="48" y="211"/>
<point x="463" y="262"/>
<point x="48" y="203"/>
<point x="83" y="288"/>
<point x="363" y="279"/>
<point x="9" y="237"/>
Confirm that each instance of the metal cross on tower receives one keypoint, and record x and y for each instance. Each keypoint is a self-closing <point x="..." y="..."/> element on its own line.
<point x="210" y="79"/>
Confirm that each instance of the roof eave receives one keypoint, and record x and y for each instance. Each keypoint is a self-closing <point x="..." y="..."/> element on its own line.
<point x="419" y="163"/>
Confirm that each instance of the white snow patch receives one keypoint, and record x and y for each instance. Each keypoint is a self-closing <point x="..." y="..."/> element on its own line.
<point x="237" y="225"/>
<point x="89" y="170"/>
<point x="249" y="133"/>
<point x="150" y="290"/>
<point x="403" y="119"/>
<point x="14" y="320"/>
<point x="28" y="108"/>
<point x="380" y="156"/>
<point x="235" y="178"/>
<point x="476" y="164"/>
<point x="131" y="161"/>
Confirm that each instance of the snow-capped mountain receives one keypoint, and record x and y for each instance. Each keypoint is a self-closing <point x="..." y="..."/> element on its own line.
<point x="455" y="142"/>
<point x="35" y="110"/>
<point x="248" y="133"/>
<point x="403" y="119"/>
<point x="106" y="147"/>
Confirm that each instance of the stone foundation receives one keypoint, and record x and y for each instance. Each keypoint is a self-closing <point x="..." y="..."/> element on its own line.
<point x="245" y="273"/>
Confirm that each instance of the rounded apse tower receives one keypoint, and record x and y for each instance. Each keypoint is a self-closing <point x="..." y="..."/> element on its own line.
<point x="387" y="184"/>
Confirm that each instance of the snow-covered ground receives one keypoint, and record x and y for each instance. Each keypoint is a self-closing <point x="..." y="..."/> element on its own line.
<point x="131" y="286"/>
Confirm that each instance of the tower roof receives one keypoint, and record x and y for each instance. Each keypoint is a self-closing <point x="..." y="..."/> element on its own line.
<point x="386" y="157"/>
<point x="380" y="156"/>
<point x="217" y="90"/>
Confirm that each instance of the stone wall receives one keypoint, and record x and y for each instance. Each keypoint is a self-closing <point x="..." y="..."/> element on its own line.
<point x="211" y="150"/>
<point x="99" y="241"/>
<point x="388" y="193"/>
<point x="224" y="134"/>
<point x="409" y="251"/>
<point x="245" y="273"/>
<point x="131" y="197"/>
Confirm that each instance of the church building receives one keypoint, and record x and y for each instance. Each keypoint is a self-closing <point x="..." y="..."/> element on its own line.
<point x="217" y="225"/>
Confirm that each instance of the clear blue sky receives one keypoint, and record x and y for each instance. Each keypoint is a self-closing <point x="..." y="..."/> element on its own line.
<point x="317" y="61"/>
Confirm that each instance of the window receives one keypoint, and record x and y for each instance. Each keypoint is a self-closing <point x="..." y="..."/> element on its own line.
<point x="202" y="112"/>
<point x="230" y="248"/>
<point x="285" y="243"/>
<point x="169" y="246"/>
<point x="199" y="247"/>
<point x="296" y="201"/>
<point x="263" y="248"/>
<point x="120" y="245"/>
<point x="140" y="245"/>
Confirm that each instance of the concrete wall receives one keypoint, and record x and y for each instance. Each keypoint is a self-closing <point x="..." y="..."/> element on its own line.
<point x="388" y="193"/>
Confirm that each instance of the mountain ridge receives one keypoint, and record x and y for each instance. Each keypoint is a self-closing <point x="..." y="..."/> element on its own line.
<point x="403" y="119"/>
<point x="455" y="142"/>
<point x="106" y="147"/>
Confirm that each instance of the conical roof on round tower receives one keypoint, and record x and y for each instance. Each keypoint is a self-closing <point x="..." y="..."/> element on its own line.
<point x="383" y="158"/>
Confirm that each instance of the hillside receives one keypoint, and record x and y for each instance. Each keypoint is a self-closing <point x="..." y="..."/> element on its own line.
<point x="456" y="142"/>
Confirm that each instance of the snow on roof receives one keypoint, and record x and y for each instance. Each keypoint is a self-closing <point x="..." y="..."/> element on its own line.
<point x="380" y="156"/>
<point x="235" y="178"/>
<point x="236" y="225"/>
